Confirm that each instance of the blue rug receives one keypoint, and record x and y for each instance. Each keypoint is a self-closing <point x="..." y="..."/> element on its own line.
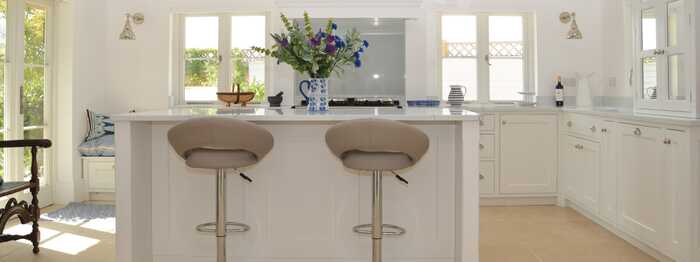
<point x="99" y="217"/>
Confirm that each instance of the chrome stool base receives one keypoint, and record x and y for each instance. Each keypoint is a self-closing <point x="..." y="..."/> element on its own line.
<point x="387" y="230"/>
<point x="231" y="227"/>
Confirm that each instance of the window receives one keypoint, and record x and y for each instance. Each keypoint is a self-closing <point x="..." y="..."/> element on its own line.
<point x="215" y="53"/>
<point x="661" y="50"/>
<point x="25" y="97"/>
<point x="488" y="54"/>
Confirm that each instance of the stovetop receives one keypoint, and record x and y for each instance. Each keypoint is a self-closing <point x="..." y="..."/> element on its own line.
<point x="362" y="102"/>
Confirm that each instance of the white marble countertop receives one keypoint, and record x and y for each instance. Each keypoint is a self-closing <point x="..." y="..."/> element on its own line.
<point x="289" y="114"/>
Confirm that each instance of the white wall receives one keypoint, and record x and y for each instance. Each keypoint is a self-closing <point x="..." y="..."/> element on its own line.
<point x="138" y="75"/>
<point x="81" y="71"/>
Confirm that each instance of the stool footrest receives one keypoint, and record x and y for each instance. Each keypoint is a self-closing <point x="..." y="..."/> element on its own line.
<point x="231" y="227"/>
<point x="387" y="230"/>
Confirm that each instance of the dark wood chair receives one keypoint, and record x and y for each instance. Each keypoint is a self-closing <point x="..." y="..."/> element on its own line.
<point x="26" y="212"/>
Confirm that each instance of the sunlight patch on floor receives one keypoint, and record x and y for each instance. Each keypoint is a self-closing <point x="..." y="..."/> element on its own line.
<point x="107" y="225"/>
<point x="69" y="243"/>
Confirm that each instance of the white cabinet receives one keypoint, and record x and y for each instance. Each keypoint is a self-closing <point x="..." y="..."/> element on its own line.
<point x="582" y="171"/>
<point x="487" y="177"/>
<point x="676" y="151"/>
<point x="528" y="155"/>
<point x="644" y="185"/>
<point x="608" y="172"/>
<point x="99" y="174"/>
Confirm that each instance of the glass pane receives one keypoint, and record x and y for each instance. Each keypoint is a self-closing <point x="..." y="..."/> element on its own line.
<point x="201" y="58"/>
<point x="648" y="29"/>
<point x="248" y="67"/>
<point x="3" y="50"/>
<point x="2" y="158"/>
<point x="33" y="92"/>
<point x="34" y="35"/>
<point x="649" y="78"/>
<point x="459" y="54"/>
<point x="676" y="85"/>
<point x="674" y="14"/>
<point x="459" y="71"/>
<point x="507" y="79"/>
<point x="37" y="133"/>
<point x="506" y="51"/>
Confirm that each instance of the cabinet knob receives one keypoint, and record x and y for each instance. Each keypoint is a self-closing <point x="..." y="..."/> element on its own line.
<point x="481" y="122"/>
<point x="667" y="141"/>
<point x="569" y="123"/>
<point x="481" y="146"/>
<point x="637" y="132"/>
<point x="504" y="122"/>
<point x="481" y="177"/>
<point x="593" y="129"/>
<point x="604" y="130"/>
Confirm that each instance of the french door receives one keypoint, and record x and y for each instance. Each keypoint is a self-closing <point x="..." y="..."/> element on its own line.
<point x="25" y="92"/>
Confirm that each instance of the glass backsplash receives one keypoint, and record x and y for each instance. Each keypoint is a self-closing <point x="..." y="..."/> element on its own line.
<point x="383" y="64"/>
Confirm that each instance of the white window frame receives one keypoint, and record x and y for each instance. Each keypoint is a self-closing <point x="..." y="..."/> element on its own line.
<point x="661" y="103"/>
<point x="177" y="91"/>
<point x="483" y="77"/>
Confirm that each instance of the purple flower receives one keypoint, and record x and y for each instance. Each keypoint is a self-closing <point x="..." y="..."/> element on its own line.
<point x="330" y="49"/>
<point x="365" y="43"/>
<point x="315" y="41"/>
<point x="330" y="38"/>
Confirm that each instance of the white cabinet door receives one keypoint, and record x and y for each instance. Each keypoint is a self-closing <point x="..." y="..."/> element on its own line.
<point x="608" y="172"/>
<point x="528" y="154"/>
<point x="677" y="167"/>
<point x="643" y="181"/>
<point x="582" y="171"/>
<point x="570" y="167"/>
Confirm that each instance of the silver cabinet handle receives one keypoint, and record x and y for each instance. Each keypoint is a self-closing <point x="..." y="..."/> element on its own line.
<point x="659" y="52"/>
<point x="481" y="146"/>
<point x="593" y="129"/>
<point x="504" y="122"/>
<point x="667" y="141"/>
<point x="488" y="59"/>
<point x="637" y="132"/>
<point x="481" y="122"/>
<point x="604" y="130"/>
<point x="481" y="177"/>
<point x="569" y="123"/>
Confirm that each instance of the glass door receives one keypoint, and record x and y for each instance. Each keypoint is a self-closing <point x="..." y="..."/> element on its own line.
<point x="24" y="89"/>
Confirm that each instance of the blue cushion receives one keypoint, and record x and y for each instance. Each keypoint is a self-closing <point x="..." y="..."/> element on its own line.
<point x="101" y="146"/>
<point x="98" y="125"/>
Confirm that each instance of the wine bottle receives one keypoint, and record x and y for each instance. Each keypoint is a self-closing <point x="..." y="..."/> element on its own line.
<point x="559" y="93"/>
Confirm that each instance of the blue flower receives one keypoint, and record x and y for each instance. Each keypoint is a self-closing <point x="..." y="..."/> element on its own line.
<point x="358" y="63"/>
<point x="365" y="43"/>
<point x="356" y="55"/>
<point x="362" y="50"/>
<point x="335" y="26"/>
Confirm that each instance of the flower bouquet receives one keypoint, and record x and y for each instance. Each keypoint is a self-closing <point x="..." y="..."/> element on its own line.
<point x="317" y="54"/>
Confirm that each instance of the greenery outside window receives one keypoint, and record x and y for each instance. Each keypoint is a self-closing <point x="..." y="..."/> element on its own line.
<point x="214" y="53"/>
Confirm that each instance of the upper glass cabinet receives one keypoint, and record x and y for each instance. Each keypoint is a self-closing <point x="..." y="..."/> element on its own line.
<point x="661" y="51"/>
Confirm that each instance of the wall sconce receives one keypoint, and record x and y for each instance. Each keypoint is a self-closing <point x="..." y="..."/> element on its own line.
<point x="574" y="32"/>
<point x="128" y="31"/>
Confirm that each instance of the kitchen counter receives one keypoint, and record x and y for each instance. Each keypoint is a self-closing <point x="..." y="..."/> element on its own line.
<point x="303" y="203"/>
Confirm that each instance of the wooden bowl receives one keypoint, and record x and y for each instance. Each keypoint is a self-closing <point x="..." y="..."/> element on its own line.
<point x="235" y="97"/>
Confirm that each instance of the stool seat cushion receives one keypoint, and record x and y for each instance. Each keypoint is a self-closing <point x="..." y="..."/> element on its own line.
<point x="368" y="161"/>
<point x="396" y="145"/>
<point x="215" y="159"/>
<point x="230" y="143"/>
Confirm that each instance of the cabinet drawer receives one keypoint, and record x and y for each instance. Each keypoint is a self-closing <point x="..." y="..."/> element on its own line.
<point x="487" y="177"/>
<point x="487" y="122"/>
<point x="100" y="176"/>
<point x="487" y="146"/>
<point x="581" y="125"/>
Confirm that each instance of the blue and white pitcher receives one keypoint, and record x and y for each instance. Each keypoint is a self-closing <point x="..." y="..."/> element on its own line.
<point x="316" y="94"/>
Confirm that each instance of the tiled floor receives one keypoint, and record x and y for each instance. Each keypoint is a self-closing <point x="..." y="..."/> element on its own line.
<point x="549" y="234"/>
<point x="508" y="234"/>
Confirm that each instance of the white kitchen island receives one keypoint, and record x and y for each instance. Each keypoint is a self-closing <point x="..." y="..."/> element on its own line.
<point x="302" y="203"/>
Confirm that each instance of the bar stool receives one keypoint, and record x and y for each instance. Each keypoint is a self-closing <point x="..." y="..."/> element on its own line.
<point x="377" y="145"/>
<point x="220" y="144"/>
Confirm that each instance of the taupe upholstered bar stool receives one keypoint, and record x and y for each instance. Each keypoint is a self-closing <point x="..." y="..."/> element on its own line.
<point x="377" y="145"/>
<point x="220" y="144"/>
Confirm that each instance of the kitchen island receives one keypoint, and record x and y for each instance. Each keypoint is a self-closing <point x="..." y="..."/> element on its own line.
<point x="302" y="203"/>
